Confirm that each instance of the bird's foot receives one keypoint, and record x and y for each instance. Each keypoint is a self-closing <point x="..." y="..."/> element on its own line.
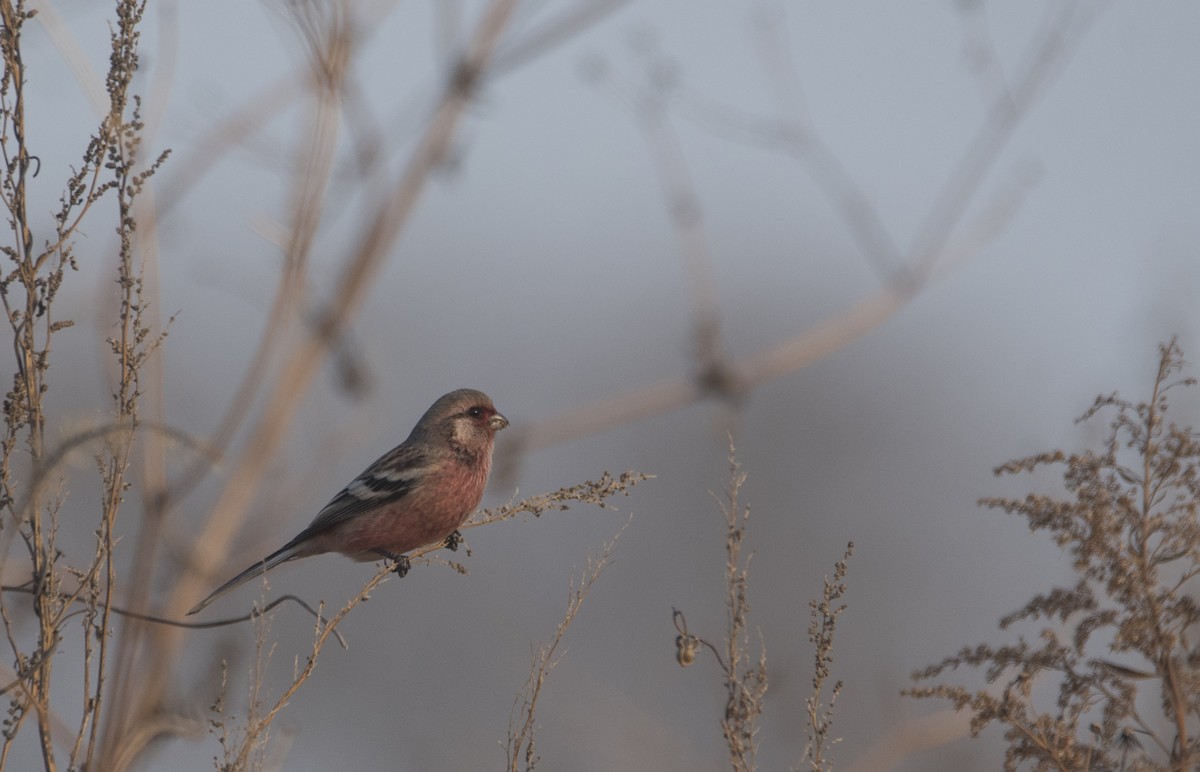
<point x="453" y="540"/>
<point x="403" y="564"/>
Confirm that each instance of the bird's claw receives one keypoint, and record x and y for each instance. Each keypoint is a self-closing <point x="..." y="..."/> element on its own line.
<point x="402" y="564"/>
<point x="453" y="540"/>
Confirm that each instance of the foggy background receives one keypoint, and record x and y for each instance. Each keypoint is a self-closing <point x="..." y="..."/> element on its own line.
<point x="544" y="266"/>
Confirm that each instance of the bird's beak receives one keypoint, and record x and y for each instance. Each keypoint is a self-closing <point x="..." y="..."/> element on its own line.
<point x="497" y="422"/>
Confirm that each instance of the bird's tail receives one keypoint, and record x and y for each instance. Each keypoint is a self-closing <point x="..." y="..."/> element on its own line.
<point x="283" y="555"/>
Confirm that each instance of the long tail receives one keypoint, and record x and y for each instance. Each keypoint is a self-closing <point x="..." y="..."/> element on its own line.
<point x="282" y="555"/>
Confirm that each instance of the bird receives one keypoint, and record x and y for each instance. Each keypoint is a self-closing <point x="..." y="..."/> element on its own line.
<point x="417" y="493"/>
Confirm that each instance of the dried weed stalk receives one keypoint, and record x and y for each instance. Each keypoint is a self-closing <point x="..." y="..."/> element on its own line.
<point x="255" y="735"/>
<point x="821" y="630"/>
<point x="591" y="492"/>
<point x="112" y="168"/>
<point x="522" y="717"/>
<point x="745" y="674"/>
<point x="1069" y="699"/>
<point x="234" y="734"/>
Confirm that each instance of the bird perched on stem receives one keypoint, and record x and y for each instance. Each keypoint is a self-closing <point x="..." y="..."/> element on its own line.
<point x="418" y="493"/>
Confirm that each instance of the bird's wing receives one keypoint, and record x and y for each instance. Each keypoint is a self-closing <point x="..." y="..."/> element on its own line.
<point x="395" y="475"/>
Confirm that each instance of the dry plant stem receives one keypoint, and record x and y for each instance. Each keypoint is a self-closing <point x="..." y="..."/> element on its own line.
<point x="39" y="275"/>
<point x="253" y="614"/>
<point x="746" y="684"/>
<point x="935" y="243"/>
<point x="330" y="49"/>
<point x="44" y="474"/>
<point x="262" y="657"/>
<point x="744" y="671"/>
<point x="591" y="492"/>
<point x="138" y="586"/>
<point x="281" y="310"/>
<point x="24" y="411"/>
<point x="521" y="738"/>
<point x="745" y="681"/>
<point x="321" y="634"/>
<point x="822" y="627"/>
<point x="1151" y="484"/>
<point x="330" y="46"/>
<point x="131" y="350"/>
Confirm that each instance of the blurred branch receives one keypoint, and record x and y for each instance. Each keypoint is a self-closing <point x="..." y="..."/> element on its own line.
<point x="1059" y="36"/>
<point x="226" y="134"/>
<point x="943" y="239"/>
<point x="553" y="33"/>
<point x="794" y="134"/>
<point x="773" y="362"/>
<point x="67" y="45"/>
<point x="695" y="250"/>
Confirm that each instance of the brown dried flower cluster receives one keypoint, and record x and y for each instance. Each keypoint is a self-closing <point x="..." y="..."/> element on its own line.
<point x="1110" y="682"/>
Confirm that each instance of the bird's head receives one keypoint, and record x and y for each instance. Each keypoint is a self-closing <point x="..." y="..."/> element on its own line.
<point x="466" y="418"/>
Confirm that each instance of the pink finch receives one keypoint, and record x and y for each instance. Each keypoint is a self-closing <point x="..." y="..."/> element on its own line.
<point x="418" y="493"/>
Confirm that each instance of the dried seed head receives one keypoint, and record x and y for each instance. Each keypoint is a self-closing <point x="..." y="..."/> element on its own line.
<point x="685" y="649"/>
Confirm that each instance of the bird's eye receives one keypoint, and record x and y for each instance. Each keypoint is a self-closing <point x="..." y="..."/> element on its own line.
<point x="475" y="412"/>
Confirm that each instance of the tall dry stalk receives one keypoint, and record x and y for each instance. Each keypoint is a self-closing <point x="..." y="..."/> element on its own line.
<point x="112" y="167"/>
<point x="744" y="670"/>
<point x="522" y="719"/>
<point x="822" y="630"/>
<point x="744" y="673"/>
